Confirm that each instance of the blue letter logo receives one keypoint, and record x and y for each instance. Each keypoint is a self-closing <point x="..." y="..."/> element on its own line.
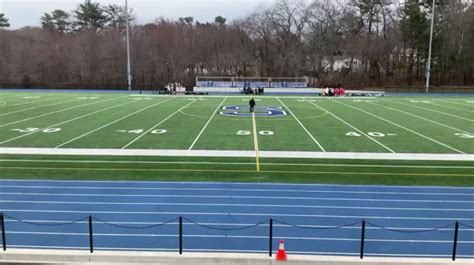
<point x="260" y="111"/>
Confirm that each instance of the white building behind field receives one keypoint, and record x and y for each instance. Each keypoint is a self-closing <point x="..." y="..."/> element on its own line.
<point x="342" y="62"/>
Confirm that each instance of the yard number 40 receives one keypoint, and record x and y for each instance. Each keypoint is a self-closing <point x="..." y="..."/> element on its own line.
<point x="465" y="135"/>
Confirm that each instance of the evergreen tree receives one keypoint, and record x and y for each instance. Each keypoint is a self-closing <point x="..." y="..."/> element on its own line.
<point x="4" y="21"/>
<point x="58" y="20"/>
<point x="116" y="16"/>
<point x="415" y="29"/>
<point x="90" y="15"/>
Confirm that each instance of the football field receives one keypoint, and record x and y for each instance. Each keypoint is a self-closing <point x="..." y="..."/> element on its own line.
<point x="287" y="135"/>
<point x="136" y="167"/>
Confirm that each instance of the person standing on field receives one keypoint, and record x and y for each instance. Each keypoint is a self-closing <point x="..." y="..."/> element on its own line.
<point x="252" y="104"/>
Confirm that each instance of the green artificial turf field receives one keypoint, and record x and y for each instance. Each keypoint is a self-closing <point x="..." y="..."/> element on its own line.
<point x="434" y="125"/>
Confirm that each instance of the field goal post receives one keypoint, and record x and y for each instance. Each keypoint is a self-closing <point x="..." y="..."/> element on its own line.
<point x="269" y="82"/>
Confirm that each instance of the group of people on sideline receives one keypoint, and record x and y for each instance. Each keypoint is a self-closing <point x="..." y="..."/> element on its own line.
<point x="247" y="90"/>
<point x="334" y="92"/>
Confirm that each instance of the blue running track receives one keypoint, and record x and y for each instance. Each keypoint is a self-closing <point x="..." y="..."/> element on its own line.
<point x="234" y="217"/>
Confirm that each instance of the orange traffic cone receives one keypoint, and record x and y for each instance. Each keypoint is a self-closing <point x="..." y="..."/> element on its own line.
<point x="281" y="254"/>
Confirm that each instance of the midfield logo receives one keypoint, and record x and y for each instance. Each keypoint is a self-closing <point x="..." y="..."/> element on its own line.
<point x="260" y="111"/>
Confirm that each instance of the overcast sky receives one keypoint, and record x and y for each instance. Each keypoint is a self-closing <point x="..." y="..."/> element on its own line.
<point x="28" y="12"/>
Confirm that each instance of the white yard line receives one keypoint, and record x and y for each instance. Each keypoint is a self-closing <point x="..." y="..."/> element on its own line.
<point x="61" y="110"/>
<point x="233" y="153"/>
<point x="229" y="163"/>
<point x="156" y="125"/>
<point x="353" y="127"/>
<point x="37" y="107"/>
<point x="64" y="122"/>
<point x="226" y="213"/>
<point x="403" y="127"/>
<point x="456" y="103"/>
<point x="25" y="103"/>
<point x="207" y="123"/>
<point x="304" y="128"/>
<point x="450" y="107"/>
<point x="437" y="111"/>
<point x="251" y="205"/>
<point x="419" y="117"/>
<point x="290" y="198"/>
<point x="110" y="123"/>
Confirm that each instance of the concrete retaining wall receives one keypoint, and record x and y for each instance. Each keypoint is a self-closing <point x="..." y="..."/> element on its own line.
<point x="35" y="256"/>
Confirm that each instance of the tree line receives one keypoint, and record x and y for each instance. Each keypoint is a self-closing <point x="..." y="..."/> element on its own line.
<point x="358" y="43"/>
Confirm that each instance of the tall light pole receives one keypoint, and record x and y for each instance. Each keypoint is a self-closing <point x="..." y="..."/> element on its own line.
<point x="129" y="67"/>
<point x="428" y="65"/>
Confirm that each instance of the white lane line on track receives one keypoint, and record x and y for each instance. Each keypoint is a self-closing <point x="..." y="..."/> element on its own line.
<point x="89" y="195"/>
<point x="346" y="123"/>
<point x="402" y="127"/>
<point x="207" y="123"/>
<point x="110" y="123"/>
<point x="200" y="213"/>
<point x="304" y="128"/>
<point x="233" y="189"/>
<point x="243" y="237"/>
<point x="437" y="111"/>
<point x="64" y="122"/>
<point x="61" y="110"/>
<point x="423" y="118"/>
<point x="196" y="183"/>
<point x="37" y="107"/>
<point x="230" y="163"/>
<point x="252" y="205"/>
<point x="156" y="125"/>
<point x="194" y="250"/>
<point x="356" y="227"/>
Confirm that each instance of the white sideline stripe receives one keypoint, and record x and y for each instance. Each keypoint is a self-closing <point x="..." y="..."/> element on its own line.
<point x="110" y="123"/>
<point x="403" y="127"/>
<point x="229" y="163"/>
<point x="226" y="197"/>
<point x="42" y="106"/>
<point x="240" y="214"/>
<point x="440" y="112"/>
<point x="207" y="123"/>
<point x="306" y="130"/>
<point x="233" y="189"/>
<point x="419" y="117"/>
<point x="156" y="125"/>
<point x="239" y="205"/>
<point x="356" y="227"/>
<point x="450" y="107"/>
<point x="361" y="132"/>
<point x="243" y="237"/>
<point x="61" y="110"/>
<point x="64" y="122"/>
<point x="233" y="153"/>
